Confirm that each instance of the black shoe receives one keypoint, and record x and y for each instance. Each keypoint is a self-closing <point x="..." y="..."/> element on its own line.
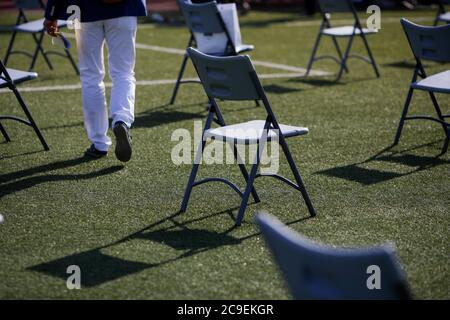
<point x="123" y="141"/>
<point x="92" y="152"/>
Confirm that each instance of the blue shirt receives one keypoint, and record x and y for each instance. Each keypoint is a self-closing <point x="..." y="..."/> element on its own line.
<point x="95" y="10"/>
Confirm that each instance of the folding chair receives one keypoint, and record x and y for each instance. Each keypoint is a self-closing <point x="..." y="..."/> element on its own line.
<point x="328" y="7"/>
<point x="204" y="18"/>
<point x="442" y="15"/>
<point x="9" y="78"/>
<point x="234" y="78"/>
<point x="314" y="271"/>
<point x="428" y="43"/>
<point x="36" y="29"/>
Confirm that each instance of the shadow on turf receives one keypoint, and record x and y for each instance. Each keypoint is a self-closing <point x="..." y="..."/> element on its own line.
<point x="152" y="119"/>
<point x="268" y="22"/>
<point x="277" y="89"/>
<point x="98" y="267"/>
<point x="8" y="188"/>
<point x="356" y="172"/>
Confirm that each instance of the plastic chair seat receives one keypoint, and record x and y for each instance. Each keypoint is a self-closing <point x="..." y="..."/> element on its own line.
<point x="36" y="26"/>
<point x="244" y="48"/>
<point x="444" y="17"/>
<point x="439" y="82"/>
<point x="18" y="76"/>
<point x="239" y="49"/>
<point x="250" y="132"/>
<point x="345" y="31"/>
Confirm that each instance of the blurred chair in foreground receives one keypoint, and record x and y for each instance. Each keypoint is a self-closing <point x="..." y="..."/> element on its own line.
<point x="204" y="20"/>
<point x="36" y="29"/>
<point x="8" y="79"/>
<point x="442" y="15"/>
<point x="432" y="44"/>
<point x="314" y="271"/>
<point x="327" y="7"/>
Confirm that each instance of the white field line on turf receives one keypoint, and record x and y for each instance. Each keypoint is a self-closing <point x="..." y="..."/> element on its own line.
<point x="338" y="22"/>
<point x="255" y="62"/>
<point x="141" y="83"/>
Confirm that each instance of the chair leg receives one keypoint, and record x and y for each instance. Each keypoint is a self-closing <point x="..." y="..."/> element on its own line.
<point x="10" y="46"/>
<point x="372" y="59"/>
<point x="42" y="51"/>
<point x="4" y="133"/>
<point x="297" y="176"/>
<point x="193" y="174"/>
<point x="249" y="187"/>
<point x="402" y="119"/>
<point x="180" y="76"/>
<point x="244" y="173"/>
<point x="345" y="58"/>
<point x="438" y="111"/>
<point x="30" y="118"/>
<point x="339" y="51"/>
<point x="36" y="51"/>
<point x="313" y="55"/>
<point x="188" y="190"/>
<point x="445" y="147"/>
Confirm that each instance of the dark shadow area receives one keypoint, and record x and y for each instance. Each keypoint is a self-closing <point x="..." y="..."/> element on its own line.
<point x="414" y="160"/>
<point x="43" y="168"/>
<point x="403" y="64"/>
<point x="33" y="181"/>
<point x="268" y="22"/>
<point x="198" y="239"/>
<point x="99" y="268"/>
<point x="277" y="89"/>
<point x="355" y="172"/>
<point x="156" y="118"/>
<point x="317" y="82"/>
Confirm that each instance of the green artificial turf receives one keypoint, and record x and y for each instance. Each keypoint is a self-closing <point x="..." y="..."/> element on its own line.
<point x="119" y="223"/>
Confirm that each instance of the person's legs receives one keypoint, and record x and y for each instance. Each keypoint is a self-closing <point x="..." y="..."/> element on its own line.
<point x="90" y="39"/>
<point x="120" y="36"/>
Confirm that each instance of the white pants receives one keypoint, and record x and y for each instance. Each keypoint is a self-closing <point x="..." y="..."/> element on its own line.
<point x="120" y="37"/>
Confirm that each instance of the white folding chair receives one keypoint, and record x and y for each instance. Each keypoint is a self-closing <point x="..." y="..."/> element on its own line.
<point x="9" y="78"/>
<point x="36" y="29"/>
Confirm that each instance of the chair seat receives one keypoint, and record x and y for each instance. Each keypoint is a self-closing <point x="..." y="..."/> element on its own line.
<point x="445" y="17"/>
<point x="244" y="48"/>
<point x="250" y="132"/>
<point x="239" y="49"/>
<point x="36" y="26"/>
<point x="345" y="31"/>
<point x="18" y="76"/>
<point x="439" y="82"/>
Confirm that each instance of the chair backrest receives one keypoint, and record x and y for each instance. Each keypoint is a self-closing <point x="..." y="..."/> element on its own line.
<point x="227" y="78"/>
<point x="202" y="17"/>
<point x="331" y="6"/>
<point x="314" y="271"/>
<point x="428" y="43"/>
<point x="29" y="4"/>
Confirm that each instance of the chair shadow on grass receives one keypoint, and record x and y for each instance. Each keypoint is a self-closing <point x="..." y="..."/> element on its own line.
<point x="99" y="268"/>
<point x="28" y="182"/>
<point x="154" y="118"/>
<point x="356" y="172"/>
<point x="277" y="89"/>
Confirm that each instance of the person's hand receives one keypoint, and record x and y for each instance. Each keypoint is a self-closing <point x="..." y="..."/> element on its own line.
<point x="51" y="26"/>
